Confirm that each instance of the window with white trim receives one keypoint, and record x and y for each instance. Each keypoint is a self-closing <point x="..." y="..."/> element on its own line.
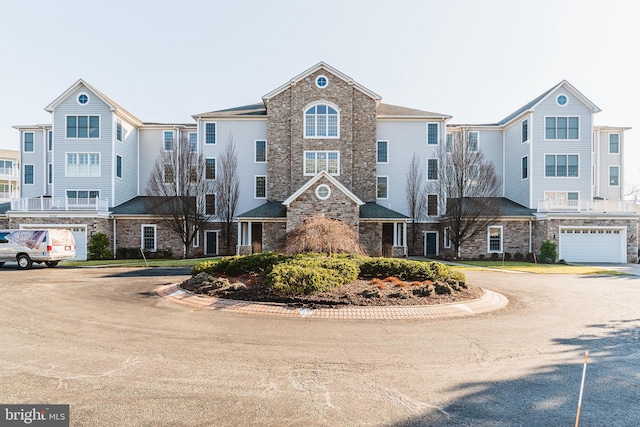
<point x="447" y="237"/>
<point x="316" y="161"/>
<point x="614" y="176"/>
<point x="28" y="142"/>
<point x="525" y="130"/>
<point x="432" y="133"/>
<point x="449" y="142"/>
<point x="82" y="197"/>
<point x="148" y="237"/>
<point x="210" y="168"/>
<point x="193" y="142"/>
<point x="168" y="140"/>
<point x="473" y="142"/>
<point x="210" y="133"/>
<point x="432" y="169"/>
<point x="83" y="127"/>
<point x="321" y="121"/>
<point x="82" y="164"/>
<point x="49" y="140"/>
<point x="432" y="204"/>
<point x="260" y="151"/>
<point x="382" y="187"/>
<point x="562" y="165"/>
<point x="28" y="174"/>
<point x="168" y="174"/>
<point x="494" y="239"/>
<point x="562" y="128"/>
<point x="260" y="190"/>
<point x="614" y="143"/>
<point x="49" y="173"/>
<point x="118" y="166"/>
<point x="119" y="130"/>
<point x="525" y="168"/>
<point x="382" y="152"/>
<point x="210" y="204"/>
<point x="562" y="198"/>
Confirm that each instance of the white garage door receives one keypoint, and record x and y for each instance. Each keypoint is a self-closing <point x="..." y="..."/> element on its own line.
<point x="594" y="244"/>
<point x="79" y="234"/>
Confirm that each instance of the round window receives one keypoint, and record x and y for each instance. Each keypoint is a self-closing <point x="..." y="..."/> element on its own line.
<point x="322" y="81"/>
<point x="561" y="100"/>
<point x="83" y="99"/>
<point x="323" y="191"/>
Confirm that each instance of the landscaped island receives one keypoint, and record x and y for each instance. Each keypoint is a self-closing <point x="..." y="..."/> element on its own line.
<point x="321" y="280"/>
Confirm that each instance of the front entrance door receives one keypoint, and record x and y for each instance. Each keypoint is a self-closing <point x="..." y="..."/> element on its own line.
<point x="431" y="243"/>
<point x="256" y="237"/>
<point x="211" y="243"/>
<point x="387" y="239"/>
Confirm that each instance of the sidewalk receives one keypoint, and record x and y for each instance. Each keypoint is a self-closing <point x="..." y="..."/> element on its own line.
<point x="490" y="301"/>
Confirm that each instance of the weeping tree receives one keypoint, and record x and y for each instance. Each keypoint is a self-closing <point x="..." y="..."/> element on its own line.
<point x="467" y="188"/>
<point x="416" y="195"/>
<point x="178" y="188"/>
<point x="227" y="188"/>
<point x="322" y="235"/>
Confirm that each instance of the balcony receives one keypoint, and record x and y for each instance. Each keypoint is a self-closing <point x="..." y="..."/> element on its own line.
<point x="36" y="204"/>
<point x="586" y="206"/>
<point x="9" y="174"/>
<point x="6" y="196"/>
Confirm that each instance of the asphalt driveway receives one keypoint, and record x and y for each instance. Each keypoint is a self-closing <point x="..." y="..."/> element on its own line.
<point x="101" y="341"/>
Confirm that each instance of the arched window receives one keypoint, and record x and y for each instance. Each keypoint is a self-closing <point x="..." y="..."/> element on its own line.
<point x="321" y="121"/>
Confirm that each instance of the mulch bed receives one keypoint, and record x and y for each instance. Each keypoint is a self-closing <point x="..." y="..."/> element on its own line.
<point x="388" y="292"/>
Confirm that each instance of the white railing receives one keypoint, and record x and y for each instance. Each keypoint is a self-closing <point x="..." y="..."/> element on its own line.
<point x="585" y="205"/>
<point x="6" y="196"/>
<point x="59" y="204"/>
<point x="9" y="173"/>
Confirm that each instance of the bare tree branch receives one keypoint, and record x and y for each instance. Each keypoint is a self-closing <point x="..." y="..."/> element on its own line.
<point x="178" y="187"/>
<point x="227" y="188"/>
<point x="415" y="192"/>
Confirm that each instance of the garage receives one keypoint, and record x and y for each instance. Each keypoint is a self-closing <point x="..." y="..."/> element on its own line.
<point x="593" y="244"/>
<point x="79" y="234"/>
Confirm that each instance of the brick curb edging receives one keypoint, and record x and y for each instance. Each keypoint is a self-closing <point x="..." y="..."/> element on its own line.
<point x="490" y="301"/>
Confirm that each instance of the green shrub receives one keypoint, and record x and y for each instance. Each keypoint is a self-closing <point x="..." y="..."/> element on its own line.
<point x="99" y="247"/>
<point x="548" y="251"/>
<point x="495" y="256"/>
<point x="507" y="256"/>
<point x="258" y="264"/>
<point x="518" y="256"/>
<point x="403" y="269"/>
<point x="460" y="277"/>
<point x="292" y="278"/>
<point x="134" y="253"/>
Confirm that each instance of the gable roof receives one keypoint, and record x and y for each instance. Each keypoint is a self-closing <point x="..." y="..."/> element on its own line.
<point x="374" y="211"/>
<point x="534" y="103"/>
<point x="321" y="66"/>
<point x="112" y="105"/>
<point x="271" y="209"/>
<point x="332" y="180"/>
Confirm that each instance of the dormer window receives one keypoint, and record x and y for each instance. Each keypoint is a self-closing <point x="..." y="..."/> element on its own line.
<point x="321" y="121"/>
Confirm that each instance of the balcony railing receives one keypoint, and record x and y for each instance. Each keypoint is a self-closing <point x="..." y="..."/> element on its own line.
<point x="6" y="196"/>
<point x="9" y="173"/>
<point x="59" y="204"/>
<point x="586" y="205"/>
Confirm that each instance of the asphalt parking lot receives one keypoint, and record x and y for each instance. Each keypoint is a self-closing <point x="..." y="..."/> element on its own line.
<point x="100" y="340"/>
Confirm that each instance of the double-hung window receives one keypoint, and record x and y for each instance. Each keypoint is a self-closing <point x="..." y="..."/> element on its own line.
<point x="473" y="142"/>
<point x="261" y="151"/>
<point x="432" y="169"/>
<point x="260" y="190"/>
<point x="561" y="165"/>
<point x="614" y="176"/>
<point x="148" y="237"/>
<point x="316" y="161"/>
<point x="383" y="152"/>
<point x="119" y="130"/>
<point x="494" y="237"/>
<point x="168" y="174"/>
<point x="28" y="142"/>
<point x="562" y="128"/>
<point x="432" y="204"/>
<point x="383" y="187"/>
<point x="28" y="174"/>
<point x="50" y="140"/>
<point x="83" y="164"/>
<point x="432" y="133"/>
<point x="525" y="168"/>
<point x="614" y="143"/>
<point x="168" y="140"/>
<point x="525" y="130"/>
<point x="321" y="121"/>
<point x="209" y="133"/>
<point x="210" y="168"/>
<point x="83" y="127"/>
<point x="210" y="204"/>
<point x="119" y="166"/>
<point x="193" y="142"/>
<point x="449" y="142"/>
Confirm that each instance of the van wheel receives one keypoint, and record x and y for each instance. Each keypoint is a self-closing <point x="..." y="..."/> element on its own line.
<point x="1" y="263"/>
<point x="51" y="263"/>
<point x="24" y="262"/>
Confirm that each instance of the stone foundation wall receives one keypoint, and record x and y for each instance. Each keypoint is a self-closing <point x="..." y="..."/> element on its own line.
<point x="371" y="237"/>
<point x="272" y="234"/>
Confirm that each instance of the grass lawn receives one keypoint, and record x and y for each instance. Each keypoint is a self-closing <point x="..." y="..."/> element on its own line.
<point x="544" y="268"/>
<point x="137" y="263"/>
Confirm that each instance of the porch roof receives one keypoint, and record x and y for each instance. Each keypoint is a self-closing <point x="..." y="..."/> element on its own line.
<point x="371" y="210"/>
<point x="4" y="207"/>
<point x="272" y="209"/>
<point x="508" y="208"/>
<point x="146" y="205"/>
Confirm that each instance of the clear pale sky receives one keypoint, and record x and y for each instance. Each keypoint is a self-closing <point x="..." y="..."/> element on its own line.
<point x="475" y="60"/>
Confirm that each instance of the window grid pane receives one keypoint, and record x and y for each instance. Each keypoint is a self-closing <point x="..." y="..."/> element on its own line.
<point x="168" y="141"/>
<point x="261" y="151"/>
<point x="614" y="143"/>
<point x="432" y="168"/>
<point x="382" y="152"/>
<point x="149" y="239"/>
<point x="432" y="133"/>
<point x="210" y="168"/>
<point x="382" y="187"/>
<point x="321" y="121"/>
<point x="261" y="187"/>
<point x="432" y="204"/>
<point x="210" y="133"/>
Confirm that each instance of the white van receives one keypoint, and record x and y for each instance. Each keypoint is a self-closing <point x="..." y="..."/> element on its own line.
<point x="28" y="246"/>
